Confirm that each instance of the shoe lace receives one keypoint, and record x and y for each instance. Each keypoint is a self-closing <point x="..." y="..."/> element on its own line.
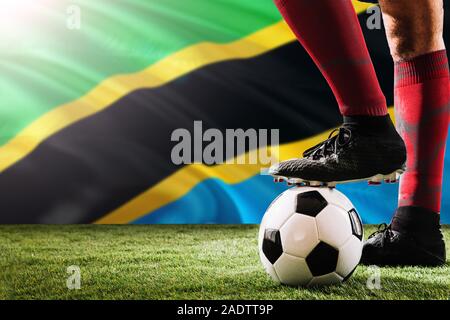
<point x="385" y="230"/>
<point x="331" y="145"/>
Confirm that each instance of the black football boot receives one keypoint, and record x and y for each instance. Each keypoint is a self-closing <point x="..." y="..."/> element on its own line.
<point x="413" y="238"/>
<point x="364" y="148"/>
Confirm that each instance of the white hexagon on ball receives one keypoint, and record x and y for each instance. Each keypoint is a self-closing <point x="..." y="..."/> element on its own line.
<point x="292" y="270"/>
<point x="327" y="279"/>
<point x="349" y="256"/>
<point x="299" y="235"/>
<point x="334" y="225"/>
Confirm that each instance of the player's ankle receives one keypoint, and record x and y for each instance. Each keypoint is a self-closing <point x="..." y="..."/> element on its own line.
<point x="374" y="125"/>
<point x="418" y="222"/>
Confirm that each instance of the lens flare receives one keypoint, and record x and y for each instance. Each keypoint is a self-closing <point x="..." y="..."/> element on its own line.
<point x="17" y="19"/>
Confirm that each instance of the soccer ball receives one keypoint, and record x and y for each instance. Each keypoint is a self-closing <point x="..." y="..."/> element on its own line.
<point x="310" y="237"/>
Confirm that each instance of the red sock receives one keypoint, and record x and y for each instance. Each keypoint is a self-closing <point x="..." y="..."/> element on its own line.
<point x="329" y="30"/>
<point x="422" y="99"/>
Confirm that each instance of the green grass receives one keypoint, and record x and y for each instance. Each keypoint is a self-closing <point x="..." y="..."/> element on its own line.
<point x="174" y="262"/>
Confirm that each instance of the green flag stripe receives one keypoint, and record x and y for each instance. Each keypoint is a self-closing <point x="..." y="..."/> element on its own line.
<point x="50" y="64"/>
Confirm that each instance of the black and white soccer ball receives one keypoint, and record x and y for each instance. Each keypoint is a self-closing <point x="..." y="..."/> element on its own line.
<point x="310" y="236"/>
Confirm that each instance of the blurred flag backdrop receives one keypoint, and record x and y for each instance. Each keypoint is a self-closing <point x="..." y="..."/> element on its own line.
<point x="90" y="92"/>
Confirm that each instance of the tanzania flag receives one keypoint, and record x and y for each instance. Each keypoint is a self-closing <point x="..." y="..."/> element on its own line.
<point x="91" y="92"/>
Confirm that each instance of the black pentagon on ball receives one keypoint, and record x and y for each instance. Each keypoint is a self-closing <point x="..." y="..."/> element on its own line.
<point x="271" y="245"/>
<point x="322" y="260"/>
<point x="310" y="203"/>
<point x="357" y="227"/>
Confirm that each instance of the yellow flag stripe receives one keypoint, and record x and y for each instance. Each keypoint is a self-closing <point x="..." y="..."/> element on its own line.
<point x="181" y="182"/>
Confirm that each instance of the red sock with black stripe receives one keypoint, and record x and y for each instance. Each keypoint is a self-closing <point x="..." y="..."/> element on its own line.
<point x="329" y="30"/>
<point x="422" y="99"/>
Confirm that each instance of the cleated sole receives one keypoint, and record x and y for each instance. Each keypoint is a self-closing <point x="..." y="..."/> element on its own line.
<point x="374" y="180"/>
